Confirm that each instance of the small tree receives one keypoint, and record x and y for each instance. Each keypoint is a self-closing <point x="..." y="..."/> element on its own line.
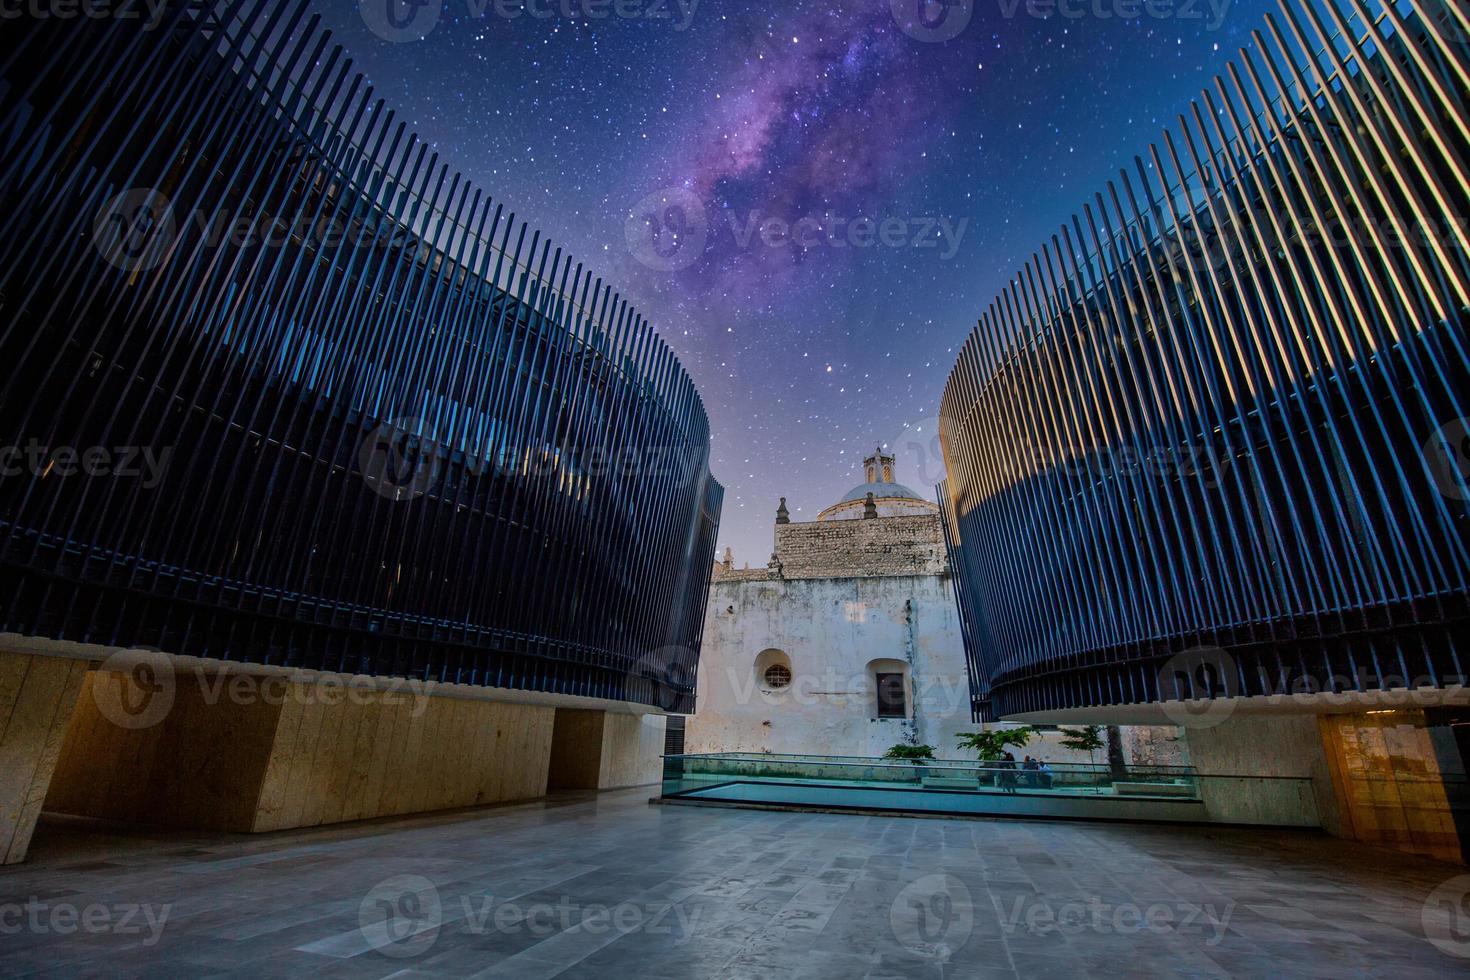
<point x="910" y="753"/>
<point x="989" y="746"/>
<point x="1083" y="740"/>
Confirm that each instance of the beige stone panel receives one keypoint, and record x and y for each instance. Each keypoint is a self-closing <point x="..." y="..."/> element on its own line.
<point x="415" y="774"/>
<point x="447" y="755"/>
<point x="371" y="713"/>
<point x="261" y="762"/>
<point x="632" y="750"/>
<point x="386" y="747"/>
<point x="303" y="755"/>
<point x="201" y="765"/>
<point x="545" y="721"/>
<point x="36" y="793"/>
<point x="338" y="774"/>
<point x="394" y="789"/>
<point x="484" y="740"/>
<point x="534" y="765"/>
<point x="276" y="783"/>
<point x="35" y="728"/>
<point x="399" y="790"/>
<point x="13" y="668"/>
<point x="494" y="778"/>
<point x="324" y="767"/>
<point x="481" y="738"/>
<point x="77" y="795"/>
<point x="40" y="695"/>
<point x="520" y="758"/>
<point x="467" y="776"/>
<point x="1388" y="781"/>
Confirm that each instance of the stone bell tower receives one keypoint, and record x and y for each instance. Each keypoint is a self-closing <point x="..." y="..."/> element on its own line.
<point x="878" y="467"/>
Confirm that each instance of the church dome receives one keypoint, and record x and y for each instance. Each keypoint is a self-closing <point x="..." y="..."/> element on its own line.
<point x="890" y="498"/>
<point x="879" y="490"/>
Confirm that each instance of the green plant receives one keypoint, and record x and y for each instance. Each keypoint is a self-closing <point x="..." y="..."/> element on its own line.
<point x="1083" y="739"/>
<point x="989" y="746"/>
<point x="910" y="753"/>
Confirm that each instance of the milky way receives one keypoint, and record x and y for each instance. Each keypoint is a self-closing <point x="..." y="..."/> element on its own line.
<point x="809" y="347"/>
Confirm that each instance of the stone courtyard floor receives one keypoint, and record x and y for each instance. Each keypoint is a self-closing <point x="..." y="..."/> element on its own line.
<point x="612" y="888"/>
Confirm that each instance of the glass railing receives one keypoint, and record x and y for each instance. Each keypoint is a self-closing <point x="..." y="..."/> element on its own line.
<point x="690" y="775"/>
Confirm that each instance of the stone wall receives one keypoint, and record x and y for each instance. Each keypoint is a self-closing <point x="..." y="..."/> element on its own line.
<point x="36" y="699"/>
<point x="862" y="549"/>
<point x="311" y="756"/>
<point x="605" y="750"/>
<point x="1265" y="769"/>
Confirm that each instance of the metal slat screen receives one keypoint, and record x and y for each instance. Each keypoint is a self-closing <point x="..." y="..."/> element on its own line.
<point x="1221" y="412"/>
<point x="283" y="388"/>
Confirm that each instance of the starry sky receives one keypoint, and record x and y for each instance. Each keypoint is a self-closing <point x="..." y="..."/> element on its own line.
<point x="811" y="200"/>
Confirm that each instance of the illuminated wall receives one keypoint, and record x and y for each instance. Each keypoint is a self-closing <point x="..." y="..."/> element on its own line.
<point x="1221" y="413"/>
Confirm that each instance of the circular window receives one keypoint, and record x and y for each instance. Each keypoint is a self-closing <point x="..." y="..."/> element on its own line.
<point x="778" y="676"/>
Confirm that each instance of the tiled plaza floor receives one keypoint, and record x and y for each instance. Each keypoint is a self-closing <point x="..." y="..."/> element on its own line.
<point x="612" y="888"/>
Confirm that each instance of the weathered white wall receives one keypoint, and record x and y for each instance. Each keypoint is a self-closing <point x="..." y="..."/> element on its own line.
<point x="831" y="629"/>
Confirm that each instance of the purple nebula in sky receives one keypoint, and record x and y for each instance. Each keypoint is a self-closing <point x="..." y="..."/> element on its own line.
<point x="817" y="118"/>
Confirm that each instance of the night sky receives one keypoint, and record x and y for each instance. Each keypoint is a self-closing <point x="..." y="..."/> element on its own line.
<point x="614" y="135"/>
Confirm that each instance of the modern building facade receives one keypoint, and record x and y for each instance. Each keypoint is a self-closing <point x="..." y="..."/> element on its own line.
<point x="1208" y="447"/>
<point x="286" y="396"/>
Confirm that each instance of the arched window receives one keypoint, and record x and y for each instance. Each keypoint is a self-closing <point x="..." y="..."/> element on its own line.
<point x="888" y="682"/>
<point x="773" y="670"/>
